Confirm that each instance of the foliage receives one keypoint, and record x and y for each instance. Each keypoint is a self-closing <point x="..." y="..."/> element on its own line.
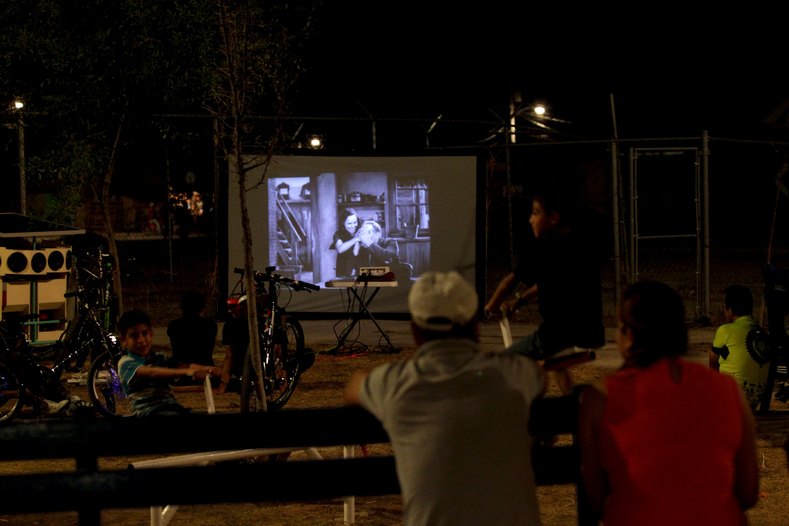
<point x="93" y="72"/>
<point x="84" y="67"/>
<point x="258" y="65"/>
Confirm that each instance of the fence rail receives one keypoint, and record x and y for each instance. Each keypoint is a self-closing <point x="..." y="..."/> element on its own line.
<point x="89" y="489"/>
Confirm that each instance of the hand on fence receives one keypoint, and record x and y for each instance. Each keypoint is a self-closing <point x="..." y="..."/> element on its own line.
<point x="199" y="372"/>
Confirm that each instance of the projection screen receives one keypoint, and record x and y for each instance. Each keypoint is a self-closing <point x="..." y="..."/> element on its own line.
<point x="426" y="206"/>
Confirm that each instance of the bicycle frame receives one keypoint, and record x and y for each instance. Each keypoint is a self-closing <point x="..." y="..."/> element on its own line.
<point x="85" y="337"/>
<point x="282" y="360"/>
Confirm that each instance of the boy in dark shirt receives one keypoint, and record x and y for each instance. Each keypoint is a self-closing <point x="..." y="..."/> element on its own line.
<point x="562" y="271"/>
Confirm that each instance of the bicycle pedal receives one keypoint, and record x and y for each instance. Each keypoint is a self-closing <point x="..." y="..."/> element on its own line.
<point x="77" y="378"/>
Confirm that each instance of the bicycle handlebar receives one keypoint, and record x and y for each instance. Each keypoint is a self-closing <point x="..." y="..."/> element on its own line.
<point x="299" y="285"/>
<point x="269" y="275"/>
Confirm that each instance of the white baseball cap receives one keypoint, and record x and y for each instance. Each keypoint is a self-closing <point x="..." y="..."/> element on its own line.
<point x="439" y="301"/>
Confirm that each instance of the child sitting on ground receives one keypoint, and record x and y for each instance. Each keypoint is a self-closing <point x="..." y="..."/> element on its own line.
<point x="146" y="375"/>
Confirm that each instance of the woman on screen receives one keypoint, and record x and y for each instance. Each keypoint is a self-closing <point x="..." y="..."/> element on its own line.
<point x="346" y="243"/>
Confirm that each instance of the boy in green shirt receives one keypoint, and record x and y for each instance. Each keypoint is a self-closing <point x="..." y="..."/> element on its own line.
<point x="740" y="346"/>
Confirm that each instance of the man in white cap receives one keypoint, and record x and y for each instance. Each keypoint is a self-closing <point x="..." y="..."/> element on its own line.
<point x="457" y="416"/>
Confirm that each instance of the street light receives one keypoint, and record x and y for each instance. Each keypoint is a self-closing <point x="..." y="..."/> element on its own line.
<point x="315" y="141"/>
<point x="17" y="107"/>
<point x="537" y="111"/>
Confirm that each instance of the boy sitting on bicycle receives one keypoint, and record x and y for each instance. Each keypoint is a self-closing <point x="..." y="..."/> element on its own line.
<point x="145" y="375"/>
<point x="562" y="271"/>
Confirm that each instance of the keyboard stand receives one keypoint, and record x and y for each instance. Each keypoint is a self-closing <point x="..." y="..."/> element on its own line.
<point x="363" y="301"/>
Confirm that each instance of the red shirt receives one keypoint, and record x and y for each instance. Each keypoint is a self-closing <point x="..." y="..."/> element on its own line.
<point x="669" y="447"/>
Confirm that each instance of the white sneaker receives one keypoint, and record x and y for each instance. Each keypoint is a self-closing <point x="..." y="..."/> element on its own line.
<point x="55" y="407"/>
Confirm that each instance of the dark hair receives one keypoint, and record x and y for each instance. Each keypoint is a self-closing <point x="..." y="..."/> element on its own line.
<point x="347" y="213"/>
<point x="739" y="299"/>
<point x="131" y="318"/>
<point x="192" y="303"/>
<point x="556" y="200"/>
<point x="655" y="314"/>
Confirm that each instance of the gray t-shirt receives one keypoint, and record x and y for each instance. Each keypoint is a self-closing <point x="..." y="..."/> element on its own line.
<point x="457" y="419"/>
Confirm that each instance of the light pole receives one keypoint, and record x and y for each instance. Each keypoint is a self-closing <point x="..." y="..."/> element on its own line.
<point x="20" y="128"/>
<point x="533" y="113"/>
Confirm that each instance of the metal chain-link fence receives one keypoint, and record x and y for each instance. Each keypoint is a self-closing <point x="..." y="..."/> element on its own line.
<point x="699" y="213"/>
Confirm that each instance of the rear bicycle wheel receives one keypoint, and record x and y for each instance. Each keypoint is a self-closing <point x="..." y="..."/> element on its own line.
<point x="104" y="387"/>
<point x="11" y="401"/>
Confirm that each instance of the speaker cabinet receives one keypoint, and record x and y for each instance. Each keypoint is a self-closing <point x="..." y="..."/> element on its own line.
<point x="18" y="262"/>
<point x="16" y="297"/>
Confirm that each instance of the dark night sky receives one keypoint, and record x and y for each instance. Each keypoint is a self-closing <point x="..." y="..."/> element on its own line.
<point x="670" y="72"/>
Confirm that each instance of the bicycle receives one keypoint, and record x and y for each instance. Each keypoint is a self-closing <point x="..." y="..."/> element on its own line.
<point x="283" y="355"/>
<point x="30" y="375"/>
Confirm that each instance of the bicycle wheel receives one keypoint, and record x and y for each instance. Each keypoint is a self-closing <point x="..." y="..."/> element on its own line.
<point x="286" y="367"/>
<point x="104" y="387"/>
<point x="281" y="373"/>
<point x="10" y="394"/>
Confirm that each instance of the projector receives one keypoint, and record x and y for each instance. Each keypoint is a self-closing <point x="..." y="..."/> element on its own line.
<point x="373" y="271"/>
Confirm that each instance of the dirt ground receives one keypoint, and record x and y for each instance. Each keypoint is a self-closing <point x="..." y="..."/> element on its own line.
<point x="322" y="385"/>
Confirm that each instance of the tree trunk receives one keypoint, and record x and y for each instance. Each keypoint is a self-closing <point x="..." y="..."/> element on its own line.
<point x="249" y="274"/>
<point x="104" y="200"/>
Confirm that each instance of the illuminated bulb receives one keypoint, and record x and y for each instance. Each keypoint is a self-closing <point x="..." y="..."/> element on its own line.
<point x="315" y="142"/>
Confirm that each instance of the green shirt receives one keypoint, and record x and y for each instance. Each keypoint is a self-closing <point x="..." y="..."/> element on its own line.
<point x="731" y="344"/>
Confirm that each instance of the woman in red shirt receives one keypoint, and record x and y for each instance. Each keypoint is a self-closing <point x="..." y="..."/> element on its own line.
<point x="665" y="440"/>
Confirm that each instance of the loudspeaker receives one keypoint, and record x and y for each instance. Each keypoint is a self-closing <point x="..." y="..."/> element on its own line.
<point x="51" y="293"/>
<point x="18" y="262"/>
<point x="51" y="306"/>
<point x="16" y="297"/>
<point x="58" y="259"/>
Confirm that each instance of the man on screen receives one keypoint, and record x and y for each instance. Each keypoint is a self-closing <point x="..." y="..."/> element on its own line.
<point x="376" y="251"/>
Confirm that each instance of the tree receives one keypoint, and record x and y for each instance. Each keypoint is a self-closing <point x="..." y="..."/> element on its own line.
<point x="97" y="71"/>
<point x="94" y="72"/>
<point x="259" y="65"/>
